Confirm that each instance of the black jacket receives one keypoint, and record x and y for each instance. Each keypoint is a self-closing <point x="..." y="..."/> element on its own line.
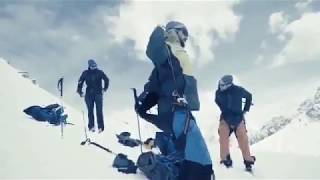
<point x="156" y="94"/>
<point x="230" y="104"/>
<point x="93" y="79"/>
<point x="166" y="77"/>
<point x="162" y="82"/>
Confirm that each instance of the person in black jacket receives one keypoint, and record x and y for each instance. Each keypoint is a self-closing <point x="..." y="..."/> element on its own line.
<point x="172" y="87"/>
<point x="229" y="99"/>
<point x="94" y="92"/>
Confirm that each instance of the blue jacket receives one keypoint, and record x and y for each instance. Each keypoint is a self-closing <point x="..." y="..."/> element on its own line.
<point x="230" y="104"/>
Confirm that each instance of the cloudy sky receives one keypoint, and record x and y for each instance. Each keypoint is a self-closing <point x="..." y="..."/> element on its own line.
<point x="272" y="47"/>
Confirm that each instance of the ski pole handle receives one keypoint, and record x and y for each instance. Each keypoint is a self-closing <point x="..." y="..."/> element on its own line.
<point x="135" y="94"/>
<point x="139" y="130"/>
<point x="60" y="86"/>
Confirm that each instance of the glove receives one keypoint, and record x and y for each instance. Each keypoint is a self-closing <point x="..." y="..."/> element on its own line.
<point x="244" y="113"/>
<point x="137" y="106"/>
<point x="80" y="93"/>
<point x="182" y="100"/>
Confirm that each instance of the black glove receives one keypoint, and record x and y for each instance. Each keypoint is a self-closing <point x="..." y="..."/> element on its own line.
<point x="244" y="112"/>
<point x="137" y="107"/>
<point x="146" y="102"/>
<point x="80" y="93"/>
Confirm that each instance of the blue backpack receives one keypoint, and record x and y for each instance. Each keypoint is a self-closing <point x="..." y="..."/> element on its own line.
<point x="159" y="167"/>
<point x="53" y="113"/>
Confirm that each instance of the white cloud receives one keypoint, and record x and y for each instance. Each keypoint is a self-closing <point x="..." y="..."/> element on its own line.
<point x="260" y="58"/>
<point x="264" y="45"/>
<point x="303" y="5"/>
<point x="277" y="22"/>
<point x="304" y="42"/>
<point x="209" y="23"/>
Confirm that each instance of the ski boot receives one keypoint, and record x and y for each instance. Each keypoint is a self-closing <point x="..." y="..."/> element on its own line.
<point x="249" y="164"/>
<point x="100" y="130"/>
<point x="92" y="129"/>
<point x="227" y="162"/>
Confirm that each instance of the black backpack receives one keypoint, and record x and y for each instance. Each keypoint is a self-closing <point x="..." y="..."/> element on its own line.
<point x="158" y="167"/>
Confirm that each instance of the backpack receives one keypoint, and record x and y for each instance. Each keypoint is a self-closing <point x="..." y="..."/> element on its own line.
<point x="53" y="113"/>
<point x="159" y="167"/>
<point x="123" y="164"/>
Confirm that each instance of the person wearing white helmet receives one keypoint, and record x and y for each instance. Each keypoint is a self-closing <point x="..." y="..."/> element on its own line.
<point x="172" y="87"/>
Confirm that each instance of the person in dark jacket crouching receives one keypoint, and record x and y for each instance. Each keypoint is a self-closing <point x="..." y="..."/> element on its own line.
<point x="94" y="93"/>
<point x="173" y="89"/>
<point x="229" y="99"/>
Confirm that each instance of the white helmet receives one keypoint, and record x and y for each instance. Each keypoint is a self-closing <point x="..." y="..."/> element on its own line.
<point x="181" y="30"/>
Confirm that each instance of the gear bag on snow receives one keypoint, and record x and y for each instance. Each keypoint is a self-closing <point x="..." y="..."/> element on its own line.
<point x="124" y="139"/>
<point x="53" y="113"/>
<point x="123" y="164"/>
<point x="159" y="167"/>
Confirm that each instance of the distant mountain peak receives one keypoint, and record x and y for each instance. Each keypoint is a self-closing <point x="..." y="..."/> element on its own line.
<point x="311" y="107"/>
<point x="317" y="96"/>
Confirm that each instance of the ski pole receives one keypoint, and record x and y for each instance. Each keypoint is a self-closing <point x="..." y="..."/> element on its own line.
<point x="60" y="88"/>
<point x="84" y="125"/>
<point x="136" y="101"/>
<point x="85" y="130"/>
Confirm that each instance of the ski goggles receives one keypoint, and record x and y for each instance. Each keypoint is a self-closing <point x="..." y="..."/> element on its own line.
<point x="224" y="86"/>
<point x="183" y="30"/>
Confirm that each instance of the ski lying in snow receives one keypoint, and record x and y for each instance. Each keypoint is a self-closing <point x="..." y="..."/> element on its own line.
<point x="88" y="141"/>
<point x="85" y="141"/>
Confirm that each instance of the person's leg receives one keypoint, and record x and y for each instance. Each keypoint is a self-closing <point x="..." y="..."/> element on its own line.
<point x="90" y="105"/>
<point x="243" y="141"/>
<point x="99" y="105"/>
<point x="224" y="132"/>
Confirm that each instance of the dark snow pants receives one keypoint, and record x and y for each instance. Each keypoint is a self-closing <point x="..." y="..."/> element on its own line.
<point x="96" y="99"/>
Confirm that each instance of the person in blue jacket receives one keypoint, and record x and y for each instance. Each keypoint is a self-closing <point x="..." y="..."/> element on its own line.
<point x="172" y="87"/>
<point x="229" y="99"/>
<point x="93" y="78"/>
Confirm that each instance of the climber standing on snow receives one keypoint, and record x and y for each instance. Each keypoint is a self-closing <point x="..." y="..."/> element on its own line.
<point x="94" y="93"/>
<point x="229" y="99"/>
<point x="173" y="88"/>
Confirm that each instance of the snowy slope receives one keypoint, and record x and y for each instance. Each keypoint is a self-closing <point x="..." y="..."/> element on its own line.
<point x="30" y="149"/>
<point x="301" y="135"/>
<point x="35" y="150"/>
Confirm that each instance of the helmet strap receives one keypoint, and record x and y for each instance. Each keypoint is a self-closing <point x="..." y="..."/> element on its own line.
<point x="182" y="38"/>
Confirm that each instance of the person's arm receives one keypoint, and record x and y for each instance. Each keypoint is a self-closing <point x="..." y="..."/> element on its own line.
<point x="148" y="99"/>
<point x="106" y="81"/>
<point x="248" y="96"/>
<point x="221" y="105"/>
<point x="80" y="82"/>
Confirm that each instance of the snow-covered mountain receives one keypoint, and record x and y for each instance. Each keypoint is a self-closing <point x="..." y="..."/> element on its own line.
<point x="30" y="149"/>
<point x="308" y="112"/>
<point x="295" y="134"/>
<point x="311" y="107"/>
